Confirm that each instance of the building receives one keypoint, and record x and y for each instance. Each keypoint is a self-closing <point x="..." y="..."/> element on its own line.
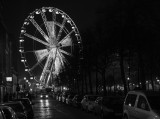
<point x="8" y="65"/>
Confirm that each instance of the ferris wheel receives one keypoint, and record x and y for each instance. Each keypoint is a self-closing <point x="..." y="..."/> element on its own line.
<point x="50" y="43"/>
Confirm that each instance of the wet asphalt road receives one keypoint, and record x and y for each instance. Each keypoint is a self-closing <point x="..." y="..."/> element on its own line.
<point x="53" y="109"/>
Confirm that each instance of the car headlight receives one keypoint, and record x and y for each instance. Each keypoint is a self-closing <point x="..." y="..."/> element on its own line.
<point x="46" y="96"/>
<point x="41" y="96"/>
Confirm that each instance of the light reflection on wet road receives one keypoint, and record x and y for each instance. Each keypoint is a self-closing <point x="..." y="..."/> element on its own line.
<point x="52" y="109"/>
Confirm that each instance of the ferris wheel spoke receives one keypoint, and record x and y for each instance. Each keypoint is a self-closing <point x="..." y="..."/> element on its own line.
<point x="52" y="32"/>
<point x="66" y="42"/>
<point x="54" y="15"/>
<point x="62" y="51"/>
<point x="45" y="68"/>
<point x="61" y="28"/>
<point x="36" y="39"/>
<point x="58" y="65"/>
<point x="54" y="20"/>
<point x="48" y="79"/>
<point x="38" y="63"/>
<point x="68" y="35"/>
<point x="45" y="21"/>
<point x="40" y="54"/>
<point x="63" y="58"/>
<point x="40" y="30"/>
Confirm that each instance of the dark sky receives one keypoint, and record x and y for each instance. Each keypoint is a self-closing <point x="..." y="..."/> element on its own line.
<point x="82" y="12"/>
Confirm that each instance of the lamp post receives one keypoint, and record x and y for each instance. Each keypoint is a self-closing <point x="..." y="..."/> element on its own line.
<point x="158" y="83"/>
<point x="17" y="88"/>
<point x="128" y="79"/>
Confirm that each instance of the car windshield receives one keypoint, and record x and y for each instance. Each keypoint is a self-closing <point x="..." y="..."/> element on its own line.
<point x="154" y="102"/>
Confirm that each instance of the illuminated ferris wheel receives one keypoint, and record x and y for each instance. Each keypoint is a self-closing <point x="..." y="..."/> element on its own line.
<point x="50" y="43"/>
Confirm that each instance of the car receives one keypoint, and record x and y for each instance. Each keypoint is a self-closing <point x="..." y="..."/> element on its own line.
<point x="76" y="101"/>
<point x="44" y="96"/>
<point x="87" y="102"/>
<point x="17" y="107"/>
<point x="69" y="99"/>
<point x="7" y="112"/>
<point x="28" y="106"/>
<point x="2" y="116"/>
<point x="64" y="96"/>
<point x="109" y="107"/>
<point x="140" y="104"/>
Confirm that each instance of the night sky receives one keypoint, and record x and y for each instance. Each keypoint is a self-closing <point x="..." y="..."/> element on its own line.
<point x="82" y="12"/>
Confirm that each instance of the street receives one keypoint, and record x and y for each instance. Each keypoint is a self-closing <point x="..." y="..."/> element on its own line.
<point x="52" y="109"/>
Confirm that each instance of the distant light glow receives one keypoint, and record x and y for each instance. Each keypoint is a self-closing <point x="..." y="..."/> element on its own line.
<point x="128" y="78"/>
<point x="31" y="16"/>
<point x="23" y="31"/>
<point x="21" y="50"/>
<point x="43" y="10"/>
<point x="68" y="21"/>
<point x="38" y="12"/>
<point x="21" y="40"/>
<point x="50" y="10"/>
<point x="22" y="60"/>
<point x="31" y="77"/>
<point x="9" y="79"/>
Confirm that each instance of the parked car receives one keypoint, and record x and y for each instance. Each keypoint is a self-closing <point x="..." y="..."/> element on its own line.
<point x="141" y="105"/>
<point x="87" y="102"/>
<point x="76" y="101"/>
<point x="69" y="99"/>
<point x="60" y="97"/>
<point x="109" y="106"/>
<point x="2" y="116"/>
<point x="28" y="106"/>
<point x="18" y="108"/>
<point x="64" y="96"/>
<point x="7" y="112"/>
